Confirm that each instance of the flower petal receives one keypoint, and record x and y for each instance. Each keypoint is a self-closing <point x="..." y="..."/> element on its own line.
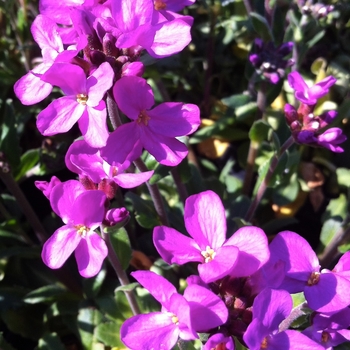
<point x="205" y="219"/>
<point x="174" y="247"/>
<point x="90" y="254"/>
<point x="60" y="246"/>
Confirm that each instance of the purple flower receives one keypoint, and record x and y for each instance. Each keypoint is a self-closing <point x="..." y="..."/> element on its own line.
<point x="270" y="308"/>
<point x="181" y="316"/>
<point x="154" y="129"/>
<point x="325" y="291"/>
<point x="330" y="330"/>
<point x="83" y="159"/>
<point x="306" y="94"/>
<point x="240" y="255"/>
<point x="269" y="61"/>
<point x="83" y="102"/>
<point x="82" y="212"/>
<point x="47" y="187"/>
<point x="30" y="89"/>
<point x="219" y="341"/>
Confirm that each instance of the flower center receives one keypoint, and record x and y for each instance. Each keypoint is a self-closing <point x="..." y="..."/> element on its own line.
<point x="208" y="254"/>
<point x="82" y="230"/>
<point x="82" y="99"/>
<point x="264" y="344"/>
<point x="175" y="319"/>
<point x="143" y="118"/>
<point x="313" y="279"/>
<point x="325" y="337"/>
<point x="159" y="5"/>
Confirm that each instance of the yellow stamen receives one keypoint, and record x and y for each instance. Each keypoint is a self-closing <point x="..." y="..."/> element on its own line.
<point x="82" y="230"/>
<point x="313" y="279"/>
<point x="159" y="5"/>
<point x="82" y="99"/>
<point x="143" y="118"/>
<point x="208" y="254"/>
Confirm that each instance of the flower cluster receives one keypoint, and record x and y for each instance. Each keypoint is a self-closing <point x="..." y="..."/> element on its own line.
<point x="245" y="282"/>
<point x="306" y="127"/>
<point x="270" y="61"/>
<point x="90" y="50"/>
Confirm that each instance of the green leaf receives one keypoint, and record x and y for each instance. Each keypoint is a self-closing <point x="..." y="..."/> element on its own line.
<point x="28" y="161"/>
<point x="329" y="229"/>
<point x="235" y="101"/>
<point x="44" y="294"/>
<point x="88" y="319"/>
<point x="93" y="285"/>
<point x="160" y="172"/>
<point x="127" y="288"/>
<point x="108" y="333"/>
<point x="262" y="171"/>
<point x="336" y="207"/>
<point x="259" y="131"/>
<point x="122" y="247"/>
<point x="50" y="341"/>
<point x="26" y="321"/>
<point x="286" y="192"/>
<point x="9" y="142"/>
<point x="4" y="345"/>
<point x="145" y="214"/>
<point x="261" y="26"/>
<point x="184" y="170"/>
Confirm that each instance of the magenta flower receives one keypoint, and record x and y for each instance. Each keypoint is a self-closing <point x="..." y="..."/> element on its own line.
<point x="153" y="129"/>
<point x="241" y="255"/>
<point x="83" y="102"/>
<point x="181" y="316"/>
<point x="86" y="161"/>
<point x="330" y="330"/>
<point x="219" y="341"/>
<point x="270" y="308"/>
<point x="306" y="94"/>
<point x="82" y="212"/>
<point x="325" y="291"/>
<point x="30" y="89"/>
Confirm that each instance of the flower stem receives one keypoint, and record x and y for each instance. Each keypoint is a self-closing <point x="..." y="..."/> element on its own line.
<point x="121" y="274"/>
<point x="331" y="250"/>
<point x="296" y="313"/>
<point x="179" y="185"/>
<point x="113" y="112"/>
<point x="11" y="184"/>
<point x="155" y="194"/>
<point x="265" y="182"/>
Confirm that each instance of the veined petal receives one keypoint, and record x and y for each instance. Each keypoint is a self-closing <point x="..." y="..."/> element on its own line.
<point x="30" y="89"/>
<point x="330" y="294"/>
<point x="93" y="125"/>
<point x="59" y="116"/>
<point x="130" y="180"/>
<point x="63" y="196"/>
<point x="90" y="254"/>
<point x="171" y="37"/>
<point x="166" y="150"/>
<point x="83" y="159"/>
<point x="158" y="286"/>
<point x="205" y="219"/>
<point x="253" y="250"/>
<point x="98" y="83"/>
<point x="133" y="95"/>
<point x="221" y="265"/>
<point x="122" y="144"/>
<point x="89" y="209"/>
<point x="174" y="247"/>
<point x="130" y="15"/>
<point x="45" y="33"/>
<point x="174" y="119"/>
<point x="207" y="309"/>
<point x="153" y="331"/>
<point x="60" y="246"/>
<point x="69" y="77"/>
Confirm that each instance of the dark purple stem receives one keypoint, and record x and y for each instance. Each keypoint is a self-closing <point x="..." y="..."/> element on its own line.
<point x="265" y="182"/>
